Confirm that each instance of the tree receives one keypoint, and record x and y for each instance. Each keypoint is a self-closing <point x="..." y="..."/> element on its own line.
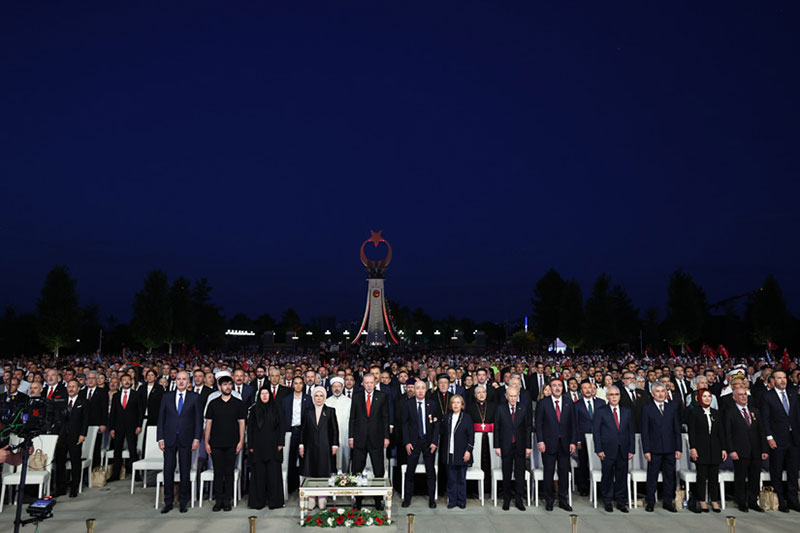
<point x="600" y="328"/>
<point x="265" y="323"/>
<point x="546" y="300"/>
<point x="59" y="315"/>
<point x="208" y="319"/>
<point x="523" y="341"/>
<point x="626" y="316"/>
<point x="290" y="320"/>
<point x="180" y="299"/>
<point x="687" y="310"/>
<point x="152" y="313"/>
<point x="570" y="314"/>
<point x="767" y="316"/>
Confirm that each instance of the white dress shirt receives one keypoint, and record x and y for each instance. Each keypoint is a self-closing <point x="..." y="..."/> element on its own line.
<point x="453" y="424"/>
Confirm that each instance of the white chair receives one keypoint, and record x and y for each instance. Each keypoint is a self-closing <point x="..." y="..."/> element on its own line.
<point x="687" y="471"/>
<point x="207" y="476"/>
<point x="420" y="469"/>
<point x="725" y="474"/>
<point x="7" y="469"/>
<point x="595" y="468"/>
<point x="153" y="458"/>
<point x="178" y="474"/>
<point x="87" y="452"/>
<point x="537" y="470"/>
<point x="285" y="464"/>
<point x="475" y="472"/>
<point x="47" y="443"/>
<point x="497" y="472"/>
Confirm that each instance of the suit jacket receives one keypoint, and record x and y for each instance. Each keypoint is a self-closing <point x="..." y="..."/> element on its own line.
<point x="464" y="439"/>
<point x="410" y="422"/>
<point x="389" y="392"/>
<point x="180" y="429"/>
<point x="519" y="430"/>
<point x="152" y="402"/>
<point x="661" y="433"/>
<point x="747" y="441"/>
<point x="609" y="439"/>
<point x="248" y="394"/>
<point x="97" y="406"/>
<point x="642" y="397"/>
<point x="204" y="393"/>
<point x="709" y="446"/>
<point x="775" y="420"/>
<point x="442" y="405"/>
<point x="130" y="418"/>
<point x="369" y="431"/>
<point x="305" y="403"/>
<point x="687" y="388"/>
<point x="584" y="421"/>
<point x="19" y="398"/>
<point x="552" y="432"/>
<point x="60" y="392"/>
<point x="77" y="422"/>
<point x="533" y="384"/>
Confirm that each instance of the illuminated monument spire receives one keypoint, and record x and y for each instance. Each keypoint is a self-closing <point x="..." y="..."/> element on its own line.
<point x="376" y="318"/>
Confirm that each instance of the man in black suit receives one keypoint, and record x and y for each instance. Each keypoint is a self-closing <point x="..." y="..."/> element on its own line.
<point x="782" y="428"/>
<point x="369" y="430"/>
<point x="585" y="410"/>
<point x="261" y="378"/>
<point x="536" y="382"/>
<point x="661" y="445"/>
<point x="127" y="412"/>
<point x="97" y="406"/>
<point x="153" y="394"/>
<point x="247" y="392"/>
<point x="556" y="433"/>
<point x="440" y="398"/>
<point x="70" y="441"/>
<point x="53" y="389"/>
<point x="180" y="426"/>
<point x="632" y="398"/>
<point x="278" y="390"/>
<point x="482" y="378"/>
<point x="420" y="430"/>
<point x="614" y="443"/>
<point x="13" y="396"/>
<point x="682" y="385"/>
<point x="744" y="441"/>
<point x="512" y="443"/>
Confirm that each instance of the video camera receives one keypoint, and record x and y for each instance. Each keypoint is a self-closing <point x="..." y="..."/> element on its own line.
<point x="33" y="417"/>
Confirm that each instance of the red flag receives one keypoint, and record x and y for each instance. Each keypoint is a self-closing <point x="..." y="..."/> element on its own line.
<point x="689" y="350"/>
<point x="785" y="360"/>
<point x="708" y="351"/>
<point x="723" y="351"/>
<point x="771" y="345"/>
<point x="672" y="353"/>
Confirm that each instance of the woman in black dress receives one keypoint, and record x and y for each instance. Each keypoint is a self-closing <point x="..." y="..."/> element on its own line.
<point x="706" y="450"/>
<point x="319" y="437"/>
<point x="481" y="410"/>
<point x="265" y="438"/>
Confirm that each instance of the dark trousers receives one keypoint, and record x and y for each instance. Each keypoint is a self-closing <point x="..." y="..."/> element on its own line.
<point x="292" y="470"/>
<point x="266" y="485"/>
<point x="746" y="475"/>
<point x="359" y="462"/>
<point x="66" y="447"/>
<point x="120" y="438"/>
<point x="98" y="448"/>
<point x="184" y="455"/>
<point x="664" y="463"/>
<point x="582" y="470"/>
<point x="514" y="463"/>
<point x="457" y="485"/>
<point x="614" y="484"/>
<point x="421" y="449"/>
<point x="707" y="475"/>
<point x="781" y="459"/>
<point x="550" y="461"/>
<point x="224" y="459"/>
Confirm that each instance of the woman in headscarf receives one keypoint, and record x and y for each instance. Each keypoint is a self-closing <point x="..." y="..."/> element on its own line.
<point x="706" y="450"/>
<point x="266" y="431"/>
<point x="319" y="441"/>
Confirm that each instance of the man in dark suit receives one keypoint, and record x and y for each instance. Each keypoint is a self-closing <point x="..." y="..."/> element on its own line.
<point x="744" y="441"/>
<point x="556" y="433"/>
<point x="247" y="392"/>
<point x="632" y="398"/>
<point x="152" y="393"/>
<point x="536" y="381"/>
<point x="70" y="441"/>
<point x="180" y="427"/>
<point x="614" y="443"/>
<point x="53" y="388"/>
<point x="369" y="430"/>
<point x="585" y="410"/>
<point x="420" y="430"/>
<point x="97" y="405"/>
<point x="440" y="398"/>
<point x="661" y="445"/>
<point x="13" y="396"/>
<point x="126" y="423"/>
<point x="278" y="390"/>
<point x="782" y="428"/>
<point x="512" y="443"/>
<point x="294" y="408"/>
<point x="482" y="378"/>
<point x="682" y="385"/>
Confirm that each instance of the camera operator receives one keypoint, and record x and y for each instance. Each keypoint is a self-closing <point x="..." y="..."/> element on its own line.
<point x="13" y="396"/>
<point x="70" y="441"/>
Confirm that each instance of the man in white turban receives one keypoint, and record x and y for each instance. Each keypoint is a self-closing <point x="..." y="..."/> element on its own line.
<point x="341" y="403"/>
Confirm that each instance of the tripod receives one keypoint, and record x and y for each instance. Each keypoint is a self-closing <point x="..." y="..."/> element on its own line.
<point x="26" y="445"/>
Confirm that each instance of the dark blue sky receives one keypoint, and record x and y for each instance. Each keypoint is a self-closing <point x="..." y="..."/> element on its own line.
<point x="258" y="144"/>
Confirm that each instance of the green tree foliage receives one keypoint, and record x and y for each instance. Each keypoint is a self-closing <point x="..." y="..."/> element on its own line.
<point x="523" y="341"/>
<point x="209" y="321"/>
<point x="265" y="323"/>
<point x="59" y="315"/>
<point x="600" y="326"/>
<point x="570" y="314"/>
<point x="152" y="312"/>
<point x="183" y="316"/>
<point x="290" y="320"/>
<point x="767" y="315"/>
<point x="687" y="310"/>
<point x="626" y="316"/>
<point x="546" y="301"/>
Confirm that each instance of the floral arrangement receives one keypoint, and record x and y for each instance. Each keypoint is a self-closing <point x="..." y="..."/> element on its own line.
<point x="346" y="480"/>
<point x="340" y="517"/>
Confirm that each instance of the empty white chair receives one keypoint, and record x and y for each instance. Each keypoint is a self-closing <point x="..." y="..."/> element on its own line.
<point x="153" y="458"/>
<point x="285" y="465"/>
<point x="537" y="470"/>
<point x="47" y="443"/>
<point x="87" y="452"/>
<point x="475" y="472"/>
<point x="178" y="474"/>
<point x="420" y="469"/>
<point x="687" y="471"/>
<point x="497" y="472"/>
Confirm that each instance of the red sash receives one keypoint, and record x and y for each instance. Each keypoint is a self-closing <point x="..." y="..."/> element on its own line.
<point x="489" y="428"/>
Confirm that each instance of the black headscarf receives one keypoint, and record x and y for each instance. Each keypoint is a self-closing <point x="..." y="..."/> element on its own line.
<point x="264" y="411"/>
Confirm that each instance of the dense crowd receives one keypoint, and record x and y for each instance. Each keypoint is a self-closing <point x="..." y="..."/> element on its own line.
<point x="235" y="412"/>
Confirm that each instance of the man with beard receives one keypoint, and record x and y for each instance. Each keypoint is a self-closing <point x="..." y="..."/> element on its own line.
<point x="341" y="404"/>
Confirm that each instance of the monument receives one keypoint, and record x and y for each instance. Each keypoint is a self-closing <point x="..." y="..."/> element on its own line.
<point x="376" y="324"/>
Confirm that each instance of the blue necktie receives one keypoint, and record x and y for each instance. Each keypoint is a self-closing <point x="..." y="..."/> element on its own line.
<point x="420" y="420"/>
<point x="785" y="402"/>
<point x="591" y="410"/>
<point x="180" y="403"/>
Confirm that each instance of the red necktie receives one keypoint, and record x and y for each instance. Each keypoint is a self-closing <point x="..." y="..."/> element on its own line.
<point x="746" y="416"/>
<point x="369" y="402"/>
<point x="125" y="399"/>
<point x="50" y="393"/>
<point x="558" y="411"/>
<point x="616" y="418"/>
<point x="274" y="391"/>
<point x="71" y="401"/>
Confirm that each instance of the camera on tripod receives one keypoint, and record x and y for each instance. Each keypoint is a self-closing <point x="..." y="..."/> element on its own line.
<point x="33" y="417"/>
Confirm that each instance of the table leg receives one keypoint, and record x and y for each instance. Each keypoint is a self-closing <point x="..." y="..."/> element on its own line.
<point x="303" y="505"/>
<point x="388" y="504"/>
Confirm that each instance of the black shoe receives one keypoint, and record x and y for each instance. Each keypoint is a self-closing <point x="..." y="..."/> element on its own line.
<point x="166" y="509"/>
<point x="227" y="507"/>
<point x="567" y="507"/>
<point x="506" y="506"/>
<point x="462" y="506"/>
<point x="73" y="493"/>
<point x="795" y="506"/>
<point x="744" y="509"/>
<point x="649" y="507"/>
<point x="782" y="507"/>
<point x="622" y="508"/>
<point x="609" y="508"/>
<point x="671" y="508"/>
<point x="716" y="509"/>
<point x="520" y="506"/>
<point x="583" y="493"/>
<point x="548" y="506"/>
<point x="405" y="504"/>
<point x="217" y="507"/>
<point x="183" y="508"/>
<point x="432" y="505"/>
<point x="451" y="505"/>
<point x="755" y="507"/>
<point x="112" y="479"/>
<point x="695" y="509"/>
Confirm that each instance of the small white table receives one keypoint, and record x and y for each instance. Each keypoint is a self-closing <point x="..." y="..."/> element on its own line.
<point x="315" y="487"/>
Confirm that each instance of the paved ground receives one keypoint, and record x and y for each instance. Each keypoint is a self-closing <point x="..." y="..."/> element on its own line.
<point x="116" y="510"/>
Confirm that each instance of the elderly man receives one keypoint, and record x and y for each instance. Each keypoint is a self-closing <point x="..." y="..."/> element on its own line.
<point x="614" y="441"/>
<point x="744" y="440"/>
<point x="512" y="443"/>
<point x="661" y="445"/>
<point x="341" y="404"/>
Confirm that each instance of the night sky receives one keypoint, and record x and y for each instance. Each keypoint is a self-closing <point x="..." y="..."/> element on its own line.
<point x="257" y="143"/>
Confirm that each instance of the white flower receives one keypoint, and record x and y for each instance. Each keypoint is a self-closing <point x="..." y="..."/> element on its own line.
<point x="330" y="521"/>
<point x="348" y="523"/>
<point x="340" y="510"/>
<point x="369" y="521"/>
<point x="364" y="510"/>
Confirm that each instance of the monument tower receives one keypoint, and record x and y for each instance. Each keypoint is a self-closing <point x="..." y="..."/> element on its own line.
<point x="376" y="318"/>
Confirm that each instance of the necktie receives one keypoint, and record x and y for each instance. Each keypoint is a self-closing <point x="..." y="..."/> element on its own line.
<point x="348" y="394"/>
<point x="558" y="411"/>
<point x="369" y="402"/>
<point x="274" y="390"/>
<point x="661" y="408"/>
<point x="89" y="396"/>
<point x="574" y="396"/>
<point x="513" y="412"/>
<point x="420" y="420"/>
<point x="591" y="409"/>
<point x="238" y="389"/>
<point x="50" y="392"/>
<point x="541" y="381"/>
<point x="125" y="399"/>
<point x="746" y="416"/>
<point x="785" y="401"/>
<point x="180" y="403"/>
<point x="616" y="418"/>
<point x="452" y="389"/>
<point x="71" y="401"/>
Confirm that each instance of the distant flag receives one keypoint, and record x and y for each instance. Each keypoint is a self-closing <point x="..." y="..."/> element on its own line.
<point x="722" y="350"/>
<point x="708" y="351"/>
<point x="689" y="350"/>
<point x="785" y="360"/>
<point x="769" y="357"/>
<point x="771" y="345"/>
<point x="672" y="353"/>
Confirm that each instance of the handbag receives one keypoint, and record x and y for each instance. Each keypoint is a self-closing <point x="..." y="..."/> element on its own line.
<point x="768" y="499"/>
<point x="38" y="461"/>
<point x="98" y="477"/>
<point x="110" y="470"/>
<point x="680" y="494"/>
